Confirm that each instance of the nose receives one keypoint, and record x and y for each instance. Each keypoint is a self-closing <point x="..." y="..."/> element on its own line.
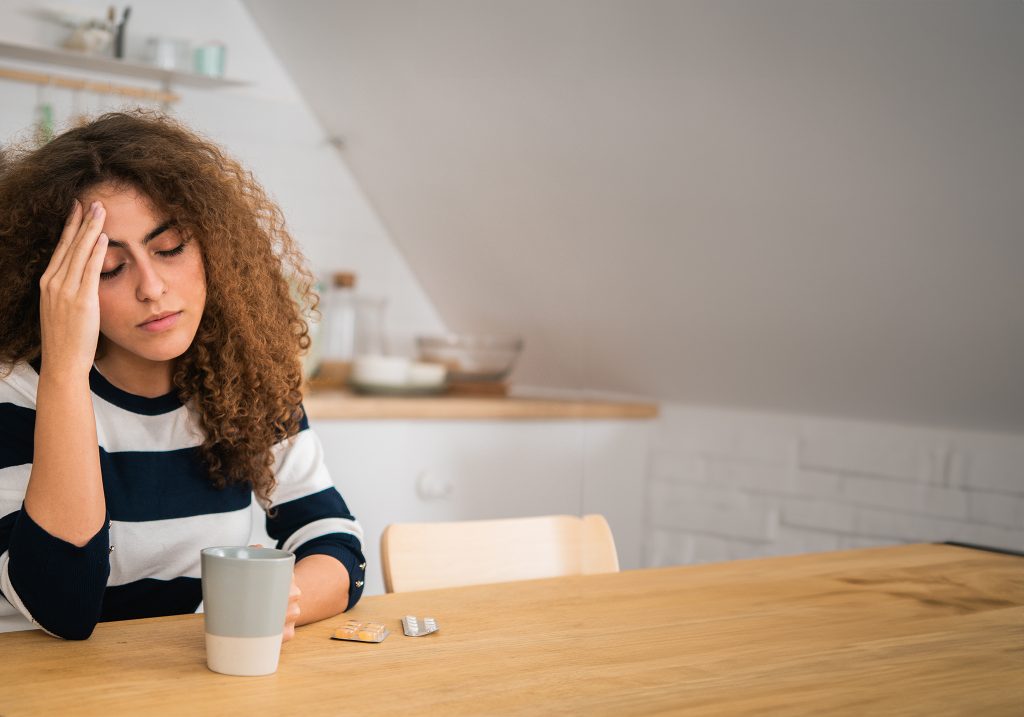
<point x="151" y="285"/>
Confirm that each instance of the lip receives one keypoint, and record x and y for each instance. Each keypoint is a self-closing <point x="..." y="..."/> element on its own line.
<point x="161" y="322"/>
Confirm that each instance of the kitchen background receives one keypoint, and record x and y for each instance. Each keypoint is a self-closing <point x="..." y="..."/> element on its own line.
<point x="793" y="225"/>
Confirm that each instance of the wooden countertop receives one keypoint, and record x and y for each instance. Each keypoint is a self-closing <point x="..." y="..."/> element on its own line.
<point x="907" y="630"/>
<point x="322" y="404"/>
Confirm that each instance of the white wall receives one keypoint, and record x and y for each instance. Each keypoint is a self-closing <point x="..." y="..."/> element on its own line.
<point x="793" y="205"/>
<point x="266" y="124"/>
<point x="733" y="484"/>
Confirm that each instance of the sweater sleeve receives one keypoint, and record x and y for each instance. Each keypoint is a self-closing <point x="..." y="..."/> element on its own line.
<point x="307" y="515"/>
<point x="56" y="585"/>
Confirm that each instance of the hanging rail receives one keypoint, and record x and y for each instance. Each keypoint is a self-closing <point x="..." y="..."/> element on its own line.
<point x="73" y="83"/>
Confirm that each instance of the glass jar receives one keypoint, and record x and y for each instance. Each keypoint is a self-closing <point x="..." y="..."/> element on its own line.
<point x="352" y="325"/>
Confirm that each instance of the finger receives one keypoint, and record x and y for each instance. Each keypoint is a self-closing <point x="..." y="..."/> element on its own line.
<point x="91" y="282"/>
<point x="67" y="235"/>
<point x="288" y="634"/>
<point x="295" y="592"/>
<point x="75" y="233"/>
<point x="73" y="266"/>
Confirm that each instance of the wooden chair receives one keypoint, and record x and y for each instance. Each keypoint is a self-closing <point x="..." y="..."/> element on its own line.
<point x="422" y="556"/>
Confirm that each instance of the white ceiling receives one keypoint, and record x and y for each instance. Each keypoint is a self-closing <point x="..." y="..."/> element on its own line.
<point x="785" y="204"/>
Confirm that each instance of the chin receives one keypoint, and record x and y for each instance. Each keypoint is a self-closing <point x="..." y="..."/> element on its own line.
<point x="160" y="356"/>
<point x="166" y="351"/>
<point x="164" y="348"/>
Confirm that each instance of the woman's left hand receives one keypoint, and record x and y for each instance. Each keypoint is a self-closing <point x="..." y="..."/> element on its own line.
<point x="293" y="612"/>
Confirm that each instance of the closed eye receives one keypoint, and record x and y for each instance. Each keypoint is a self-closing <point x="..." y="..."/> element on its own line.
<point x="173" y="252"/>
<point x="112" y="273"/>
<point x="120" y="267"/>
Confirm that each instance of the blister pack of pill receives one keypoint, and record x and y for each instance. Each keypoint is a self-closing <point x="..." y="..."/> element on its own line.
<point x="418" y="626"/>
<point x="361" y="632"/>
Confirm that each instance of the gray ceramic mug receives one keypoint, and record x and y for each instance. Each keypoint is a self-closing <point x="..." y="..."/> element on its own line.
<point x="245" y="599"/>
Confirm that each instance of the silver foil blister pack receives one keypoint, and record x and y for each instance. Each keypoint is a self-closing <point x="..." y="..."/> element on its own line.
<point x="418" y="626"/>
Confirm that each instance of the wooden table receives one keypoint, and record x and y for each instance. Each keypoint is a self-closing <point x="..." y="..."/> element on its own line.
<point x="922" y="629"/>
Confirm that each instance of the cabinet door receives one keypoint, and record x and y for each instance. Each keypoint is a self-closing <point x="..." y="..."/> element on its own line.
<point x="423" y="471"/>
<point x="615" y="484"/>
<point x="420" y="471"/>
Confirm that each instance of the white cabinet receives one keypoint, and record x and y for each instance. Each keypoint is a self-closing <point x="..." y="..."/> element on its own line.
<point x="392" y="471"/>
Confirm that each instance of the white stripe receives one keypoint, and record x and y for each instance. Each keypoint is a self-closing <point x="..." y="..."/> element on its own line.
<point x="117" y="429"/>
<point x="20" y="386"/>
<point x="13" y="484"/>
<point x="325" y="526"/>
<point x="15" y="621"/>
<point x="12" y="596"/>
<point x="121" y="430"/>
<point x="168" y="549"/>
<point x="299" y="468"/>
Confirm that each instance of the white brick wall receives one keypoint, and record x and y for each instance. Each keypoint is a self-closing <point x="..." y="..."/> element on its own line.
<point x="732" y="484"/>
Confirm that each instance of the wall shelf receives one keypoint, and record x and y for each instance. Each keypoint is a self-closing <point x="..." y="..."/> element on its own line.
<point x="111" y="65"/>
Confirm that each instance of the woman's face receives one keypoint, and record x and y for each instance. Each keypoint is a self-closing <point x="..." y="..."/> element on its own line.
<point x="149" y="272"/>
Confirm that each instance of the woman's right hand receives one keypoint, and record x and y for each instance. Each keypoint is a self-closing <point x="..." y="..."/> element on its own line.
<point x="69" y="306"/>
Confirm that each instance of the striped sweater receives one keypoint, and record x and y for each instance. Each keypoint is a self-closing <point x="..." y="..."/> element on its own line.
<point x="161" y="511"/>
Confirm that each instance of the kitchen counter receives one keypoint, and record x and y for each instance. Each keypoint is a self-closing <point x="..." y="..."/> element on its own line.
<point x="338" y="404"/>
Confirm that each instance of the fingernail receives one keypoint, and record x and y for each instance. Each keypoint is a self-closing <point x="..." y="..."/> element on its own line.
<point x="95" y="208"/>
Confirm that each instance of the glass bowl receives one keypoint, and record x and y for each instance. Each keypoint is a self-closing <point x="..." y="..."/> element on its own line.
<point x="472" y="357"/>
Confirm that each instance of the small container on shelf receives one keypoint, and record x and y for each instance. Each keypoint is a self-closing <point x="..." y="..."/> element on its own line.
<point x="396" y="376"/>
<point x="352" y="325"/>
<point x="476" y="363"/>
<point x="169" y="53"/>
<point x="209" y="59"/>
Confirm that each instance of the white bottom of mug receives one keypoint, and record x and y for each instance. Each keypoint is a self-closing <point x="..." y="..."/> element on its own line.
<point x="247" y="656"/>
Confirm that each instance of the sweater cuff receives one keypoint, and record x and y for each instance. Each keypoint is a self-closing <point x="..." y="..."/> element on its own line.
<point x="345" y="549"/>
<point x="60" y="585"/>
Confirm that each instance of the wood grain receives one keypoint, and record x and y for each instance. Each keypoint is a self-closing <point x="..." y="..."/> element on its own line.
<point x="909" y="630"/>
<point x="328" y="404"/>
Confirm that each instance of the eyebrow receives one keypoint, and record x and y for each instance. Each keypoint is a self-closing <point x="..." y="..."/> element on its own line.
<point x="147" y="239"/>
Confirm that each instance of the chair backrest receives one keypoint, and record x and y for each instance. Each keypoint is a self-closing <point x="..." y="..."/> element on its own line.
<point x="423" y="556"/>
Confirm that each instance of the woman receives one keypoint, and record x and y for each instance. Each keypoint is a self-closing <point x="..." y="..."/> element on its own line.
<point x="150" y="351"/>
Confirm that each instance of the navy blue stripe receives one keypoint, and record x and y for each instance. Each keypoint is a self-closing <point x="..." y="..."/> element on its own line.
<point x="345" y="548"/>
<point x="6" y="526"/>
<point x="297" y="513"/>
<point x="152" y="598"/>
<point x="60" y="584"/>
<point x="129" y="401"/>
<point x="162" y="485"/>
<point x="18" y="427"/>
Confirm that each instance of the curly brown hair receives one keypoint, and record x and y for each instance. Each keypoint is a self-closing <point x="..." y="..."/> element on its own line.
<point x="242" y="374"/>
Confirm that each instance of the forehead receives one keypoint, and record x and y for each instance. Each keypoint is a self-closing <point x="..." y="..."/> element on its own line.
<point x="130" y="215"/>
